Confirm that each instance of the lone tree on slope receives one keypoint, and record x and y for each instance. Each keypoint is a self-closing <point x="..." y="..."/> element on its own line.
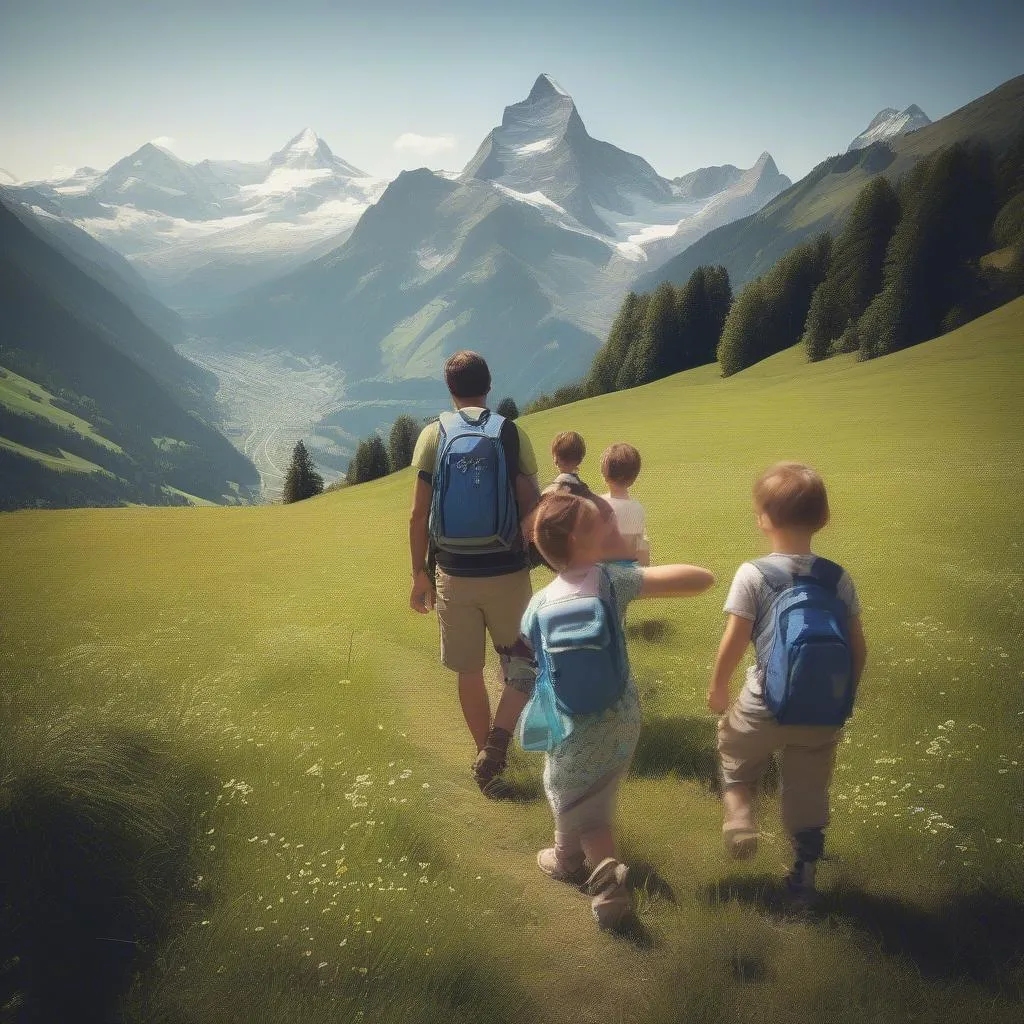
<point x="402" y="442"/>
<point x="302" y="481"/>
<point x="507" y="407"/>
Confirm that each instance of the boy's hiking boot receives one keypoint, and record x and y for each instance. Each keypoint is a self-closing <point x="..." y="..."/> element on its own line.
<point x="572" y="874"/>
<point x="610" y="900"/>
<point x="739" y="830"/>
<point x="490" y="763"/>
<point x="800" y="887"/>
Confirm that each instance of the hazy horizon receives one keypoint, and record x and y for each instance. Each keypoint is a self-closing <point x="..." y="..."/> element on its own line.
<point x="401" y="87"/>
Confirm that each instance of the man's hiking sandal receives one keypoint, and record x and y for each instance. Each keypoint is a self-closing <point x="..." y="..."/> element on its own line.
<point x="740" y="841"/>
<point x="491" y="761"/>
<point x="548" y="862"/>
<point x="610" y="901"/>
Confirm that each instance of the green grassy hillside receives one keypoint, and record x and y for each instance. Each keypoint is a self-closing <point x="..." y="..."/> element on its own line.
<point x="345" y="865"/>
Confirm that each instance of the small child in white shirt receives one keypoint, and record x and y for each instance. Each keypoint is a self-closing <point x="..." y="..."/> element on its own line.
<point x="620" y="467"/>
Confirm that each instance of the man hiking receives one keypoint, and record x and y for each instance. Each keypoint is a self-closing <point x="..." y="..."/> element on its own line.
<point x="476" y="482"/>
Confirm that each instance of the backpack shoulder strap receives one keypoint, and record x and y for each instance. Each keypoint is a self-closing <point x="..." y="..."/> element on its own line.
<point x="827" y="573"/>
<point x="774" y="575"/>
<point x="449" y="422"/>
<point x="492" y="424"/>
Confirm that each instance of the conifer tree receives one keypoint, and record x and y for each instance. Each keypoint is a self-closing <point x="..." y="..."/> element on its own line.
<point x="771" y="317"/>
<point x="931" y="264"/>
<point x="402" y="442"/>
<point x="508" y="408"/>
<point x="854" y="274"/>
<point x="737" y="348"/>
<point x="610" y="357"/>
<point x="648" y="358"/>
<point x="377" y="459"/>
<point x="302" y="480"/>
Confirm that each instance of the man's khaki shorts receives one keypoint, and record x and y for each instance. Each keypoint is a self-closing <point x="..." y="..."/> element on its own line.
<point x="470" y="607"/>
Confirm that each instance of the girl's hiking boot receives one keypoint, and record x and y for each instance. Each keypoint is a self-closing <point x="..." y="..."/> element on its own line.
<point x="740" y="841"/>
<point x="610" y="901"/>
<point x="572" y="874"/>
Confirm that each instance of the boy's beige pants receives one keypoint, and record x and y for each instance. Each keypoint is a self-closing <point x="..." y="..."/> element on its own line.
<point x="746" y="742"/>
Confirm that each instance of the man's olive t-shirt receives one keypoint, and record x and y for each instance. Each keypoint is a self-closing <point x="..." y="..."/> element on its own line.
<point x="519" y="457"/>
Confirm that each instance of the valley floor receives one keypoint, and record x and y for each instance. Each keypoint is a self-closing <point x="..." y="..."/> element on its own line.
<point x="272" y="400"/>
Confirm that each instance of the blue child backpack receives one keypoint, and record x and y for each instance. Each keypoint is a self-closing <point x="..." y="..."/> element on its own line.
<point x="580" y="646"/>
<point x="473" y="507"/>
<point x="809" y="668"/>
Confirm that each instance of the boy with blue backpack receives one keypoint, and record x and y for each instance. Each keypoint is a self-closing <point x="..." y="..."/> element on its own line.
<point x="585" y="709"/>
<point x="802" y="614"/>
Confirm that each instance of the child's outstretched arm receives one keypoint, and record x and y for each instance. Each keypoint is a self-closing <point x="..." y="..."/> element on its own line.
<point x="675" y="581"/>
<point x="730" y="651"/>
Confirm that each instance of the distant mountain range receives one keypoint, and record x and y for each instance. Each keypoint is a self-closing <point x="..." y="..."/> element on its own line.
<point x="524" y="255"/>
<point x="200" y="233"/>
<point x="889" y="123"/>
<point x="821" y="201"/>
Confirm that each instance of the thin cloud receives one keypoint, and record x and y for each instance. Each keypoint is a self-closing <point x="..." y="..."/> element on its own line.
<point x="424" y="145"/>
<point x="164" y="141"/>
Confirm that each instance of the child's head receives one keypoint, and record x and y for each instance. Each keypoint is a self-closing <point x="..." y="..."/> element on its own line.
<point x="790" y="497"/>
<point x="568" y="450"/>
<point x="572" y="531"/>
<point x="620" y="465"/>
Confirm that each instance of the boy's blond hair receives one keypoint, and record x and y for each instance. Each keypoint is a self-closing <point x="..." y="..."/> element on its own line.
<point x="620" y="464"/>
<point x="569" y="447"/>
<point x="793" y="496"/>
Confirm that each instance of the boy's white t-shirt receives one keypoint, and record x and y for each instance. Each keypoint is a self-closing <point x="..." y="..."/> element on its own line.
<point x="632" y="519"/>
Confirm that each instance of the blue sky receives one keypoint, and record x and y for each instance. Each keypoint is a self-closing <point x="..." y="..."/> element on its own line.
<point x="682" y="84"/>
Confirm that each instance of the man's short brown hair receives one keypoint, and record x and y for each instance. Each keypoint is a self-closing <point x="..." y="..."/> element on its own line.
<point x="569" y="447"/>
<point x="467" y="375"/>
<point x="793" y="496"/>
<point x="620" y="464"/>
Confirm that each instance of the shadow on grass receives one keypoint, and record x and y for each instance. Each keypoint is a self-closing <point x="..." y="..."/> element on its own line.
<point x="686" y="747"/>
<point x="644" y="877"/>
<point x="977" y="936"/>
<point x="651" y="631"/>
<point x="678" y="746"/>
<point x="521" y="781"/>
<point x="96" y="837"/>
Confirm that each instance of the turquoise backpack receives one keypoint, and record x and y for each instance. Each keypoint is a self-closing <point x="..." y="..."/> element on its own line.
<point x="582" y="663"/>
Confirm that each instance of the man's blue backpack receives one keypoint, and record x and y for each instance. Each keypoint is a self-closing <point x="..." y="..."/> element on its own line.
<point x="473" y="507"/>
<point x="809" y="668"/>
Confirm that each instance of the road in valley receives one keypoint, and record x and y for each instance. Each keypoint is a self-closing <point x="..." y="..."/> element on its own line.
<point x="270" y="400"/>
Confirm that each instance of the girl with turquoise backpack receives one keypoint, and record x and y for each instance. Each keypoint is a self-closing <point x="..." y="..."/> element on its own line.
<point x="585" y="710"/>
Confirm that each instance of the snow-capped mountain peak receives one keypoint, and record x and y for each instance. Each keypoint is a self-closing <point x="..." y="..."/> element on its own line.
<point x="308" y="152"/>
<point x="544" y="88"/>
<point x="889" y="123"/>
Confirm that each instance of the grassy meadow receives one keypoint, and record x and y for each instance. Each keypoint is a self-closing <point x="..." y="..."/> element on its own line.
<point x="263" y="770"/>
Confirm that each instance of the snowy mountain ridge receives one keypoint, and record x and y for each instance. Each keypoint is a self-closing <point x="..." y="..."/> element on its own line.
<point x="889" y="123"/>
